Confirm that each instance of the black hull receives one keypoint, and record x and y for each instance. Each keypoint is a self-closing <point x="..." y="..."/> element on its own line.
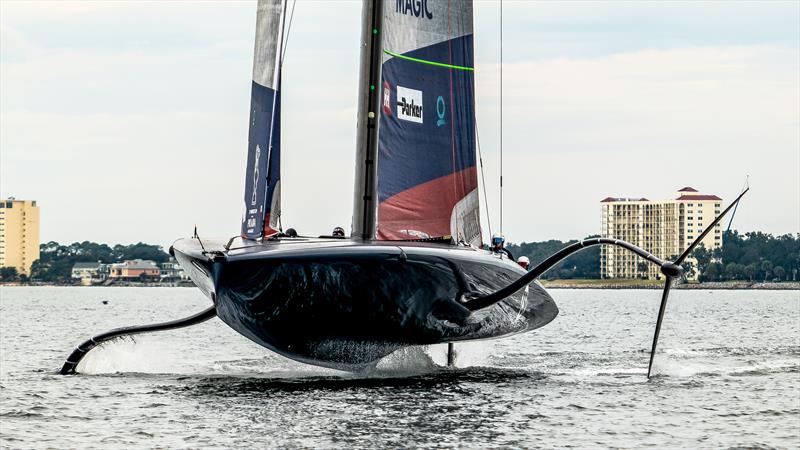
<point x="346" y="304"/>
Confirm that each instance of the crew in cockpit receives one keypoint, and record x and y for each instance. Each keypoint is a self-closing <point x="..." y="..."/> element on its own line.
<point x="498" y="242"/>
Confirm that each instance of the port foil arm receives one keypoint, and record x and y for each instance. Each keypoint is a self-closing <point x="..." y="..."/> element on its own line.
<point x="77" y="355"/>
<point x="475" y="302"/>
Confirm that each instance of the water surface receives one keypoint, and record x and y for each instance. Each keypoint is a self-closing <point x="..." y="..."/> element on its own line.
<point x="728" y="375"/>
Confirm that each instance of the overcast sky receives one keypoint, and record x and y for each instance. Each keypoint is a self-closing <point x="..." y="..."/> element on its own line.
<point x="127" y="121"/>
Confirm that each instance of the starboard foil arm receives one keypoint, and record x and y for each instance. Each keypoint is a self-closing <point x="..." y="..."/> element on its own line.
<point x="80" y="351"/>
<point x="670" y="269"/>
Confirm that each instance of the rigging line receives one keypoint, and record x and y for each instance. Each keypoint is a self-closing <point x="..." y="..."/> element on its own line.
<point x="288" y="31"/>
<point x="458" y="236"/>
<point x="501" y="117"/>
<point x="483" y="179"/>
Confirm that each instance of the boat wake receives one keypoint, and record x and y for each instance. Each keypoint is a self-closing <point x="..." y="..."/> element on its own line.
<point x="147" y="354"/>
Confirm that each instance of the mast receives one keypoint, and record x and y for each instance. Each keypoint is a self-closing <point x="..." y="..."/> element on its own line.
<point x="364" y="197"/>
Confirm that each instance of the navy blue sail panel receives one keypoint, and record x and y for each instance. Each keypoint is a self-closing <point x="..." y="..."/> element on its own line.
<point x="441" y="141"/>
<point x="263" y="162"/>
<point x="427" y="181"/>
<point x="262" y="177"/>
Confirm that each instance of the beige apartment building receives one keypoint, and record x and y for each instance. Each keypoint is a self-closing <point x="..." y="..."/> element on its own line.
<point x="19" y="234"/>
<point x="664" y="228"/>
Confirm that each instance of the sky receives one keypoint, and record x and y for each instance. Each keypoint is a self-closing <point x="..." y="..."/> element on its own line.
<point x="127" y="121"/>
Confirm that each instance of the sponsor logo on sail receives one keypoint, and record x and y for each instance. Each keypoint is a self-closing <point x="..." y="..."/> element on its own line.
<point x="416" y="8"/>
<point x="387" y="98"/>
<point x="409" y="104"/>
<point x="440" y="111"/>
<point x="254" y="197"/>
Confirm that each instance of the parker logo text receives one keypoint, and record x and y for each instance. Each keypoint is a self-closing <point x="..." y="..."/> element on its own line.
<point x="409" y="104"/>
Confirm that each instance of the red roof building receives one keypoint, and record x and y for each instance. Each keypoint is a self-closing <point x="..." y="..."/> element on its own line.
<point x="664" y="228"/>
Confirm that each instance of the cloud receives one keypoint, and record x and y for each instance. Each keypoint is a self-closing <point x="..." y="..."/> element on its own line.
<point x="129" y="132"/>
<point x="643" y="124"/>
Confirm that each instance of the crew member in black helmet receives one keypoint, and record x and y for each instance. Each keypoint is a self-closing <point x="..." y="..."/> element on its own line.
<point x="338" y="232"/>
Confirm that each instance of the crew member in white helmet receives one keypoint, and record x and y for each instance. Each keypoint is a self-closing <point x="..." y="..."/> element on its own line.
<point x="497" y="245"/>
<point x="524" y="262"/>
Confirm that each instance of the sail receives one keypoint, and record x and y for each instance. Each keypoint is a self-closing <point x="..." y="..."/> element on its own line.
<point x="262" y="198"/>
<point x="427" y="183"/>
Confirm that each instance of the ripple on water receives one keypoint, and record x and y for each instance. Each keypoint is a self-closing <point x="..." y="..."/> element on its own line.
<point x="727" y="375"/>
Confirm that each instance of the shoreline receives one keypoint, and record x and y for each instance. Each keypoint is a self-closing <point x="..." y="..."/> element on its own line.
<point x="118" y="284"/>
<point x="656" y="284"/>
<point x="549" y="284"/>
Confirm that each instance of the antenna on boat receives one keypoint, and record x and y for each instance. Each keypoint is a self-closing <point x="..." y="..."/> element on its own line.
<point x="196" y="236"/>
<point x="733" y="214"/>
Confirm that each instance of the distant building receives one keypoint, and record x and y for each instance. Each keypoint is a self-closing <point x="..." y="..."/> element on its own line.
<point x="19" y="234"/>
<point x="663" y="228"/>
<point x="90" y="272"/>
<point x="172" y="271"/>
<point x="135" y="270"/>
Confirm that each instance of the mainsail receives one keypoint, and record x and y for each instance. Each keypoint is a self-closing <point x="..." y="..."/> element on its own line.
<point x="427" y="183"/>
<point x="262" y="199"/>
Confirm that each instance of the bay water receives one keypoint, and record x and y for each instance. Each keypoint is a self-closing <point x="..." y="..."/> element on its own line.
<point x="727" y="375"/>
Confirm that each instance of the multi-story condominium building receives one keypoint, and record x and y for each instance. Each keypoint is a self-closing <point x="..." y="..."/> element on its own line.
<point x="663" y="228"/>
<point x="19" y="234"/>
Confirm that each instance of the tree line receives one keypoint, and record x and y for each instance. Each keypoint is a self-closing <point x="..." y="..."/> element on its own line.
<point x="583" y="264"/>
<point x="753" y="256"/>
<point x="56" y="260"/>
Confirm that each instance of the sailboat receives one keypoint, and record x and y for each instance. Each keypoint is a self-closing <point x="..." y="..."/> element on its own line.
<point x="412" y="272"/>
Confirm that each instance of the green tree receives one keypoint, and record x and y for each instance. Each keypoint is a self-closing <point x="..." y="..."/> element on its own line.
<point x="140" y="251"/>
<point x="641" y="269"/>
<point x="713" y="272"/>
<point x="583" y="264"/>
<point x="55" y="260"/>
<point x="734" y="271"/>
<point x="703" y="257"/>
<point x="750" y="270"/>
<point x="688" y="268"/>
<point x="780" y="272"/>
<point x="9" y="274"/>
<point x="766" y="267"/>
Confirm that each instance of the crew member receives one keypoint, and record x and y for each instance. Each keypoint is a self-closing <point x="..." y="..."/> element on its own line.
<point x="497" y="245"/>
<point x="524" y="262"/>
<point x="338" y="232"/>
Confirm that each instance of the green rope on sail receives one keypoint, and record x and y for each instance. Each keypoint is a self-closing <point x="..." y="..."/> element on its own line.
<point x="423" y="61"/>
